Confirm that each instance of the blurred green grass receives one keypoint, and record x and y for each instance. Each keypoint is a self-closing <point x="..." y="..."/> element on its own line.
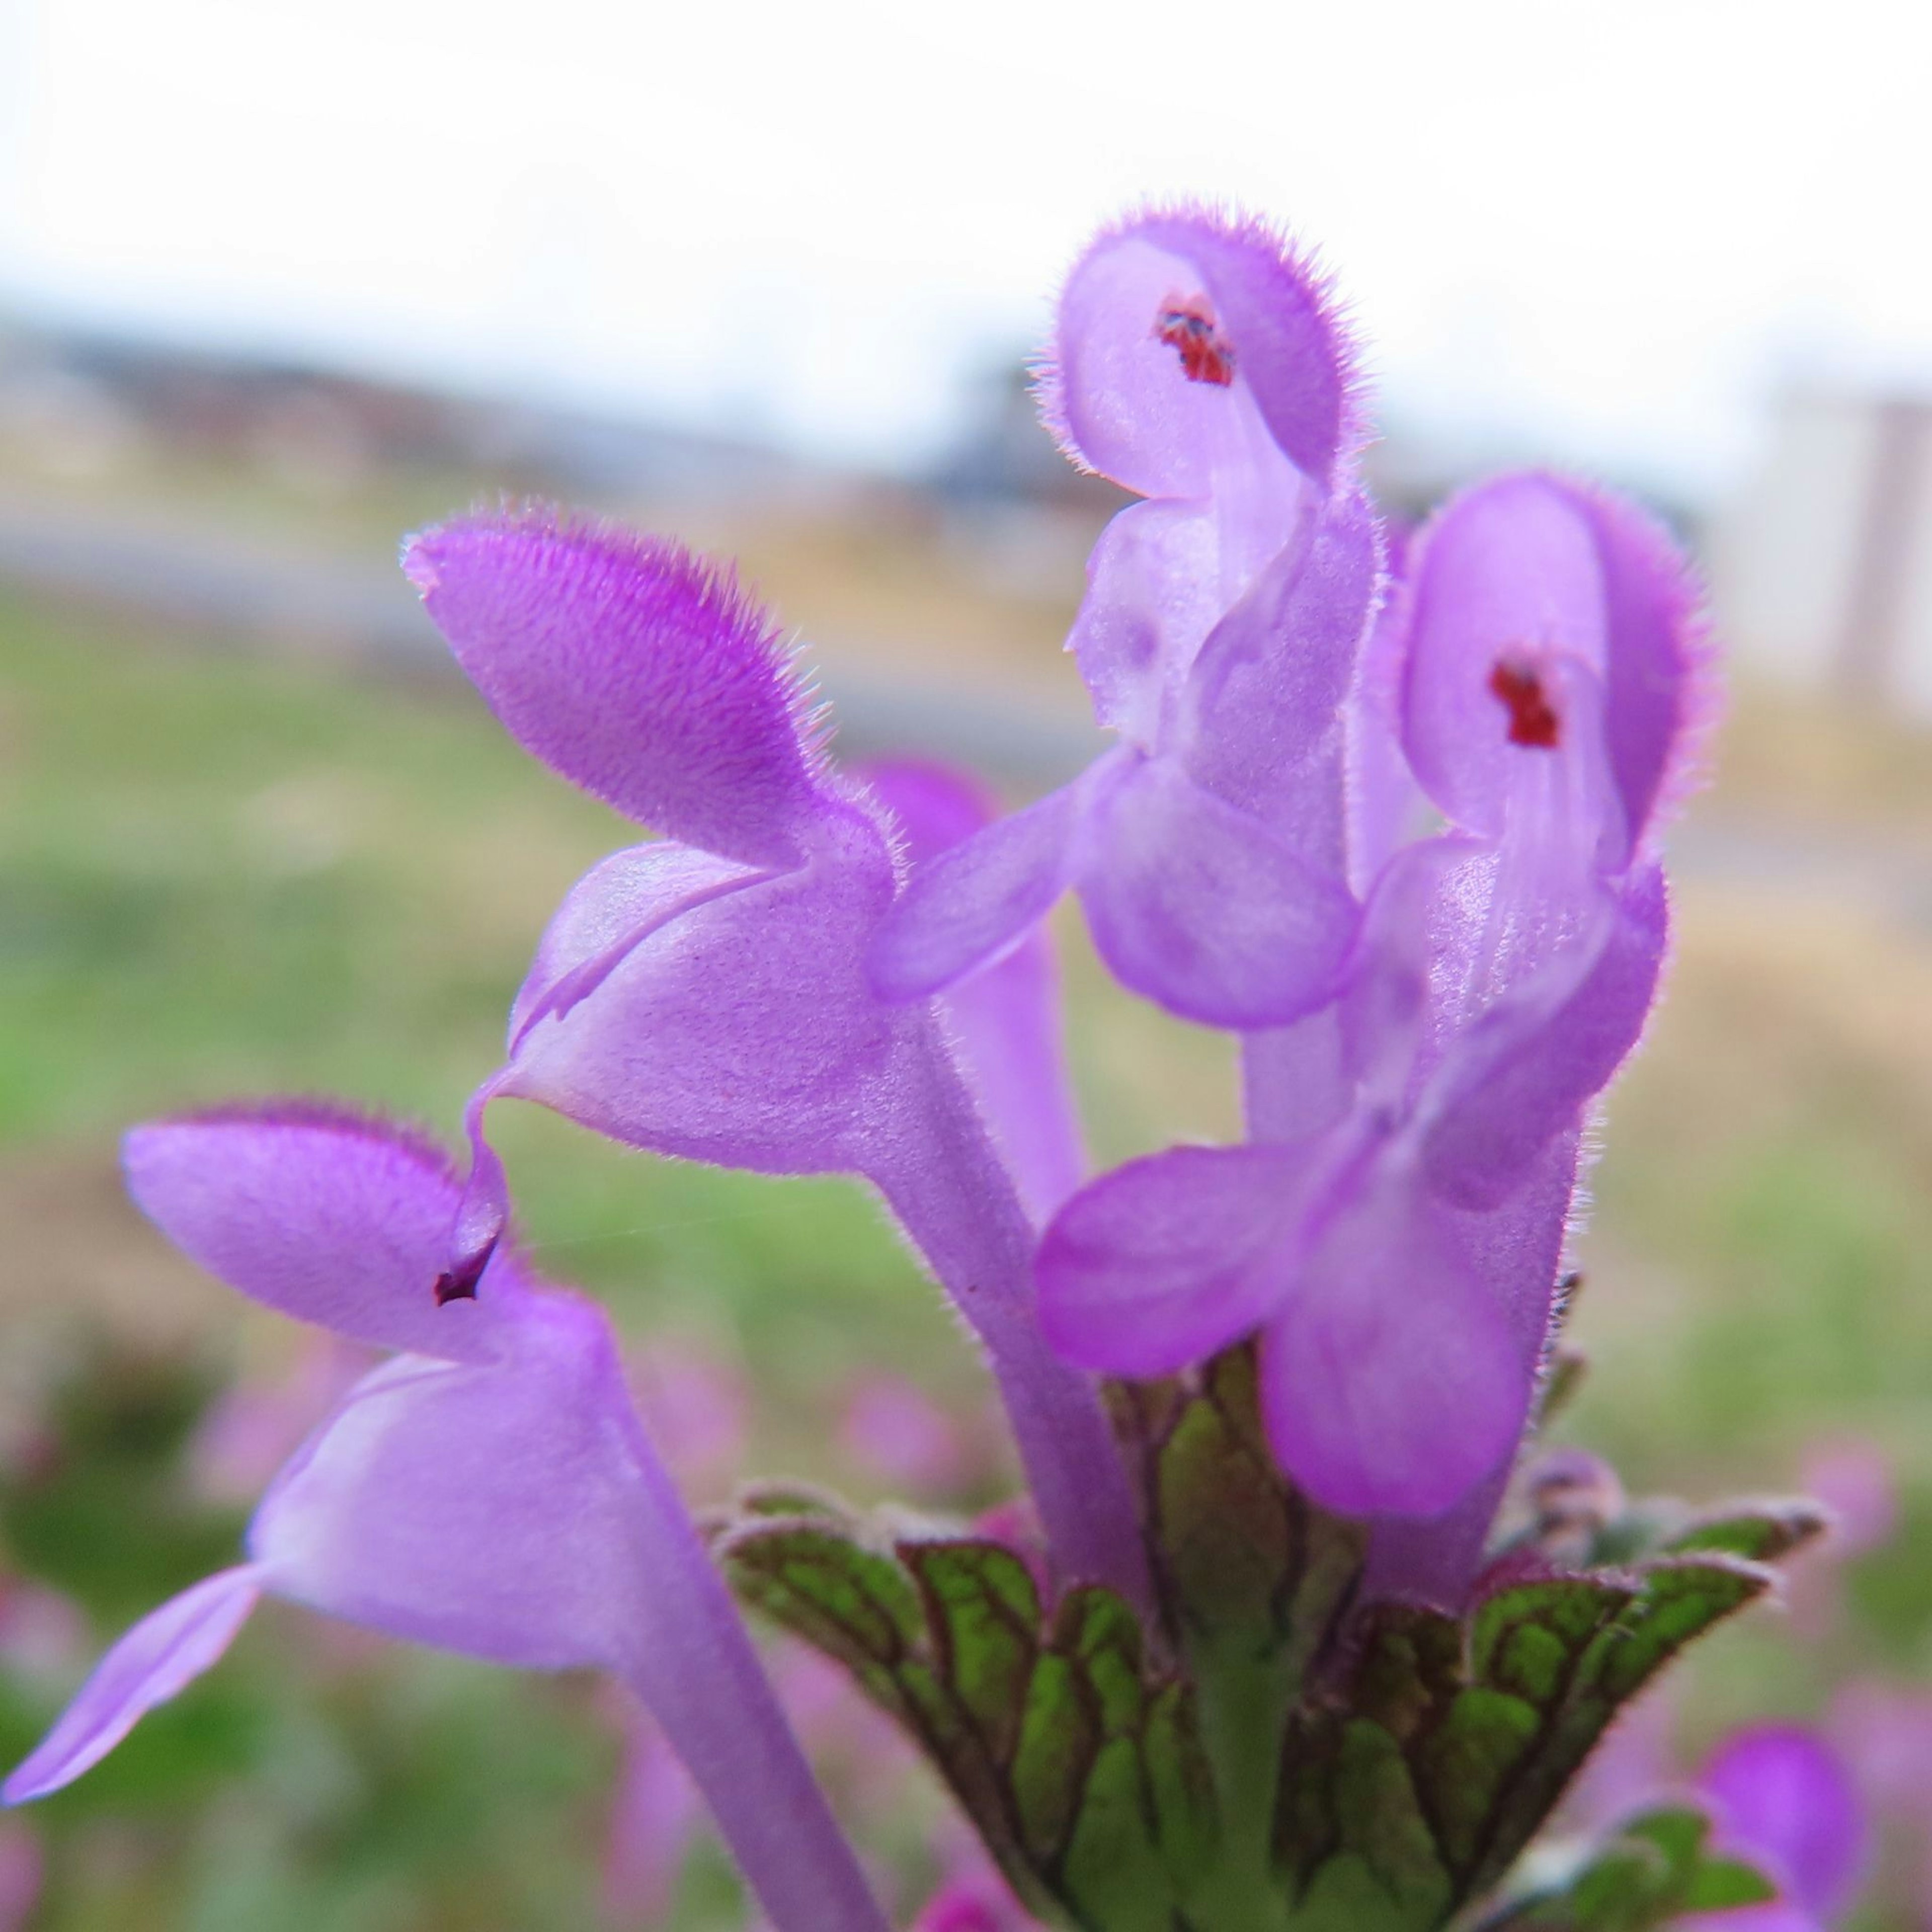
<point x="224" y="875"/>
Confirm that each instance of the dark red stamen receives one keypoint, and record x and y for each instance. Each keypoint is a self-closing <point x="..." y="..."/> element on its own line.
<point x="459" y="1283"/>
<point x="1187" y="325"/>
<point x="1533" y="720"/>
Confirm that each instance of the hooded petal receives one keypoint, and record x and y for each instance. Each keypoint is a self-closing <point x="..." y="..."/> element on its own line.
<point x="743" y="1032"/>
<point x="1201" y="906"/>
<point x="336" y="1220"/>
<point x="617" y="904"/>
<point x="1167" y="1260"/>
<point x="1266" y="700"/>
<point x="636" y="670"/>
<point x="1516" y="1251"/>
<point x="516" y="1512"/>
<point x="967" y="904"/>
<point x="1522" y="1074"/>
<point x="1188" y="342"/>
<point x="1155" y="590"/>
<point x="1390" y="1384"/>
<point x="164" y="1653"/>
<point x="486" y="1509"/>
<point x="1007" y="1015"/>
<point x="1551" y="620"/>
<point x="1784" y="1799"/>
<point x="1385" y="805"/>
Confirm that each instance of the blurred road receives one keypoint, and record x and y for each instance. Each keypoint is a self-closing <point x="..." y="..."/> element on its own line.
<point x="246" y="592"/>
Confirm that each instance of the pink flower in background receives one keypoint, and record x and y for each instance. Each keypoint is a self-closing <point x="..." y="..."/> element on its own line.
<point x="974" y="1899"/>
<point x="657" y="1815"/>
<point x="43" y="1633"/>
<point x="21" y="1873"/>
<point x="1795" y="1802"/>
<point x="254" y="1426"/>
<point x="1853" y="1478"/>
<point x="697" y="1408"/>
<point x="1885" y="1731"/>
<point x="1783" y="1799"/>
<point x="894" y="1432"/>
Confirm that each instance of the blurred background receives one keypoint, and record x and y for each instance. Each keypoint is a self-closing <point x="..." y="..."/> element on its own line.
<point x="277" y="284"/>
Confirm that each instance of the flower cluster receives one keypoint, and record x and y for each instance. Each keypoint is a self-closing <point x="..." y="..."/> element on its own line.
<point x="1387" y="808"/>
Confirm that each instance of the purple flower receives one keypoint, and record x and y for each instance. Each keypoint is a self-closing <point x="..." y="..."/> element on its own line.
<point x="697" y="1409"/>
<point x="655" y="1814"/>
<point x="1393" y="1231"/>
<point x="1782" y="1799"/>
<point x="1005" y="1016"/>
<point x="1885" y="1730"/>
<point x="707" y="997"/>
<point x="22" y="1871"/>
<point x="894" y="1431"/>
<point x="488" y="1489"/>
<point x="1199" y="362"/>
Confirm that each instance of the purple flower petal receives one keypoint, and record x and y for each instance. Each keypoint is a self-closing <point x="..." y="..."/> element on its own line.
<point x="1154" y="591"/>
<point x="1523" y="1073"/>
<point x="1202" y="908"/>
<point x="637" y="671"/>
<point x="1265" y="700"/>
<point x="1784" y="1799"/>
<point x="616" y="905"/>
<point x="1385" y="805"/>
<point x="1188" y="342"/>
<point x="1390" y="1385"/>
<point x="156" y="1659"/>
<point x="1007" y="1015"/>
<point x="1163" y="1262"/>
<point x="482" y="1508"/>
<point x="743" y="1032"/>
<point x="341" y="1222"/>
<point x="515" y="1511"/>
<point x="969" y="904"/>
<point x="1553" y="623"/>
<point x="1516" y="1251"/>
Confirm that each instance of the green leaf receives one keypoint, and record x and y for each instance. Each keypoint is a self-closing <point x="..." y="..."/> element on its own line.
<point x="1112" y="1870"/>
<point x="1719" y="1884"/>
<point x="1180" y="1784"/>
<point x="983" y="1613"/>
<point x="1250" y="1564"/>
<point x="1079" y="1761"/>
<point x="1492" y="1719"/>
<point x="1759" y="1532"/>
<point x="1059" y="1737"/>
<point x="855" y="1603"/>
<point x="1652" y="1873"/>
<point x="1568" y="1368"/>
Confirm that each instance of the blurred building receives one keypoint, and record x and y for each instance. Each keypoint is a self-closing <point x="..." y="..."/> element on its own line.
<point x="1822" y="566"/>
<point x="82" y="402"/>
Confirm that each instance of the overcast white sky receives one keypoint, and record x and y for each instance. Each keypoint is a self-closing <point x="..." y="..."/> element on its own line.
<point x="1602" y="226"/>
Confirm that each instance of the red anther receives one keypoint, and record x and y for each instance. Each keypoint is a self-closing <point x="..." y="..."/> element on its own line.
<point x="459" y="1283"/>
<point x="1533" y="720"/>
<point x="1186" y="325"/>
